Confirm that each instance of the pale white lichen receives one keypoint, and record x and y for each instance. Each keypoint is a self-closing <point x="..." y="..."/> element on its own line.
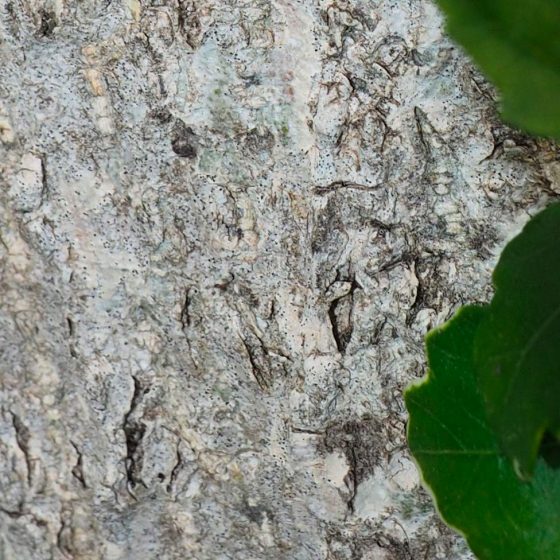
<point x="225" y="228"/>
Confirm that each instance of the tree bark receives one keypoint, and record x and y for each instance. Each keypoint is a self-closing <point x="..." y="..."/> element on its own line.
<point x="225" y="228"/>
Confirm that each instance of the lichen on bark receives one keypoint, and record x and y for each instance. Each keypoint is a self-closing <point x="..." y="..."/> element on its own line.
<point x="225" y="227"/>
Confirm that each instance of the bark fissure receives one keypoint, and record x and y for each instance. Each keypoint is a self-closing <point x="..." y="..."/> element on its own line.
<point x="134" y="430"/>
<point x="23" y="436"/>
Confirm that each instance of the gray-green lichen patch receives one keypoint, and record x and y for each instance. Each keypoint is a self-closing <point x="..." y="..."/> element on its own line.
<point x="225" y="228"/>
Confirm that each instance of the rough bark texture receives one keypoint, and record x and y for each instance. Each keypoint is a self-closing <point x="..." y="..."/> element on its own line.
<point x="225" y="227"/>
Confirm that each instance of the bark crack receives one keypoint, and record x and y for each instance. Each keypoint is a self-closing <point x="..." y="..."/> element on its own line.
<point x="185" y="316"/>
<point x="23" y="437"/>
<point x="341" y="316"/>
<point x="176" y="469"/>
<point x="258" y="361"/>
<point x="78" y="468"/>
<point x="134" y="431"/>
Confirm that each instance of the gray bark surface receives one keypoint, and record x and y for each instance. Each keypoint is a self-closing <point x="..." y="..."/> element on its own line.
<point x="225" y="228"/>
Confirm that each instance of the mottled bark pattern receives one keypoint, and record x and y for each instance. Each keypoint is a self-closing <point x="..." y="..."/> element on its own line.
<point x="225" y="227"/>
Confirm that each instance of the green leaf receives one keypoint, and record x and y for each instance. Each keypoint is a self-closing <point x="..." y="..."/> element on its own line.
<point x="516" y="45"/>
<point x="517" y="346"/>
<point x="474" y="485"/>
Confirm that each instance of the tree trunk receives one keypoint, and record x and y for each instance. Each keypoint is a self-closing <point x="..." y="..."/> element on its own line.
<point x="225" y="228"/>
